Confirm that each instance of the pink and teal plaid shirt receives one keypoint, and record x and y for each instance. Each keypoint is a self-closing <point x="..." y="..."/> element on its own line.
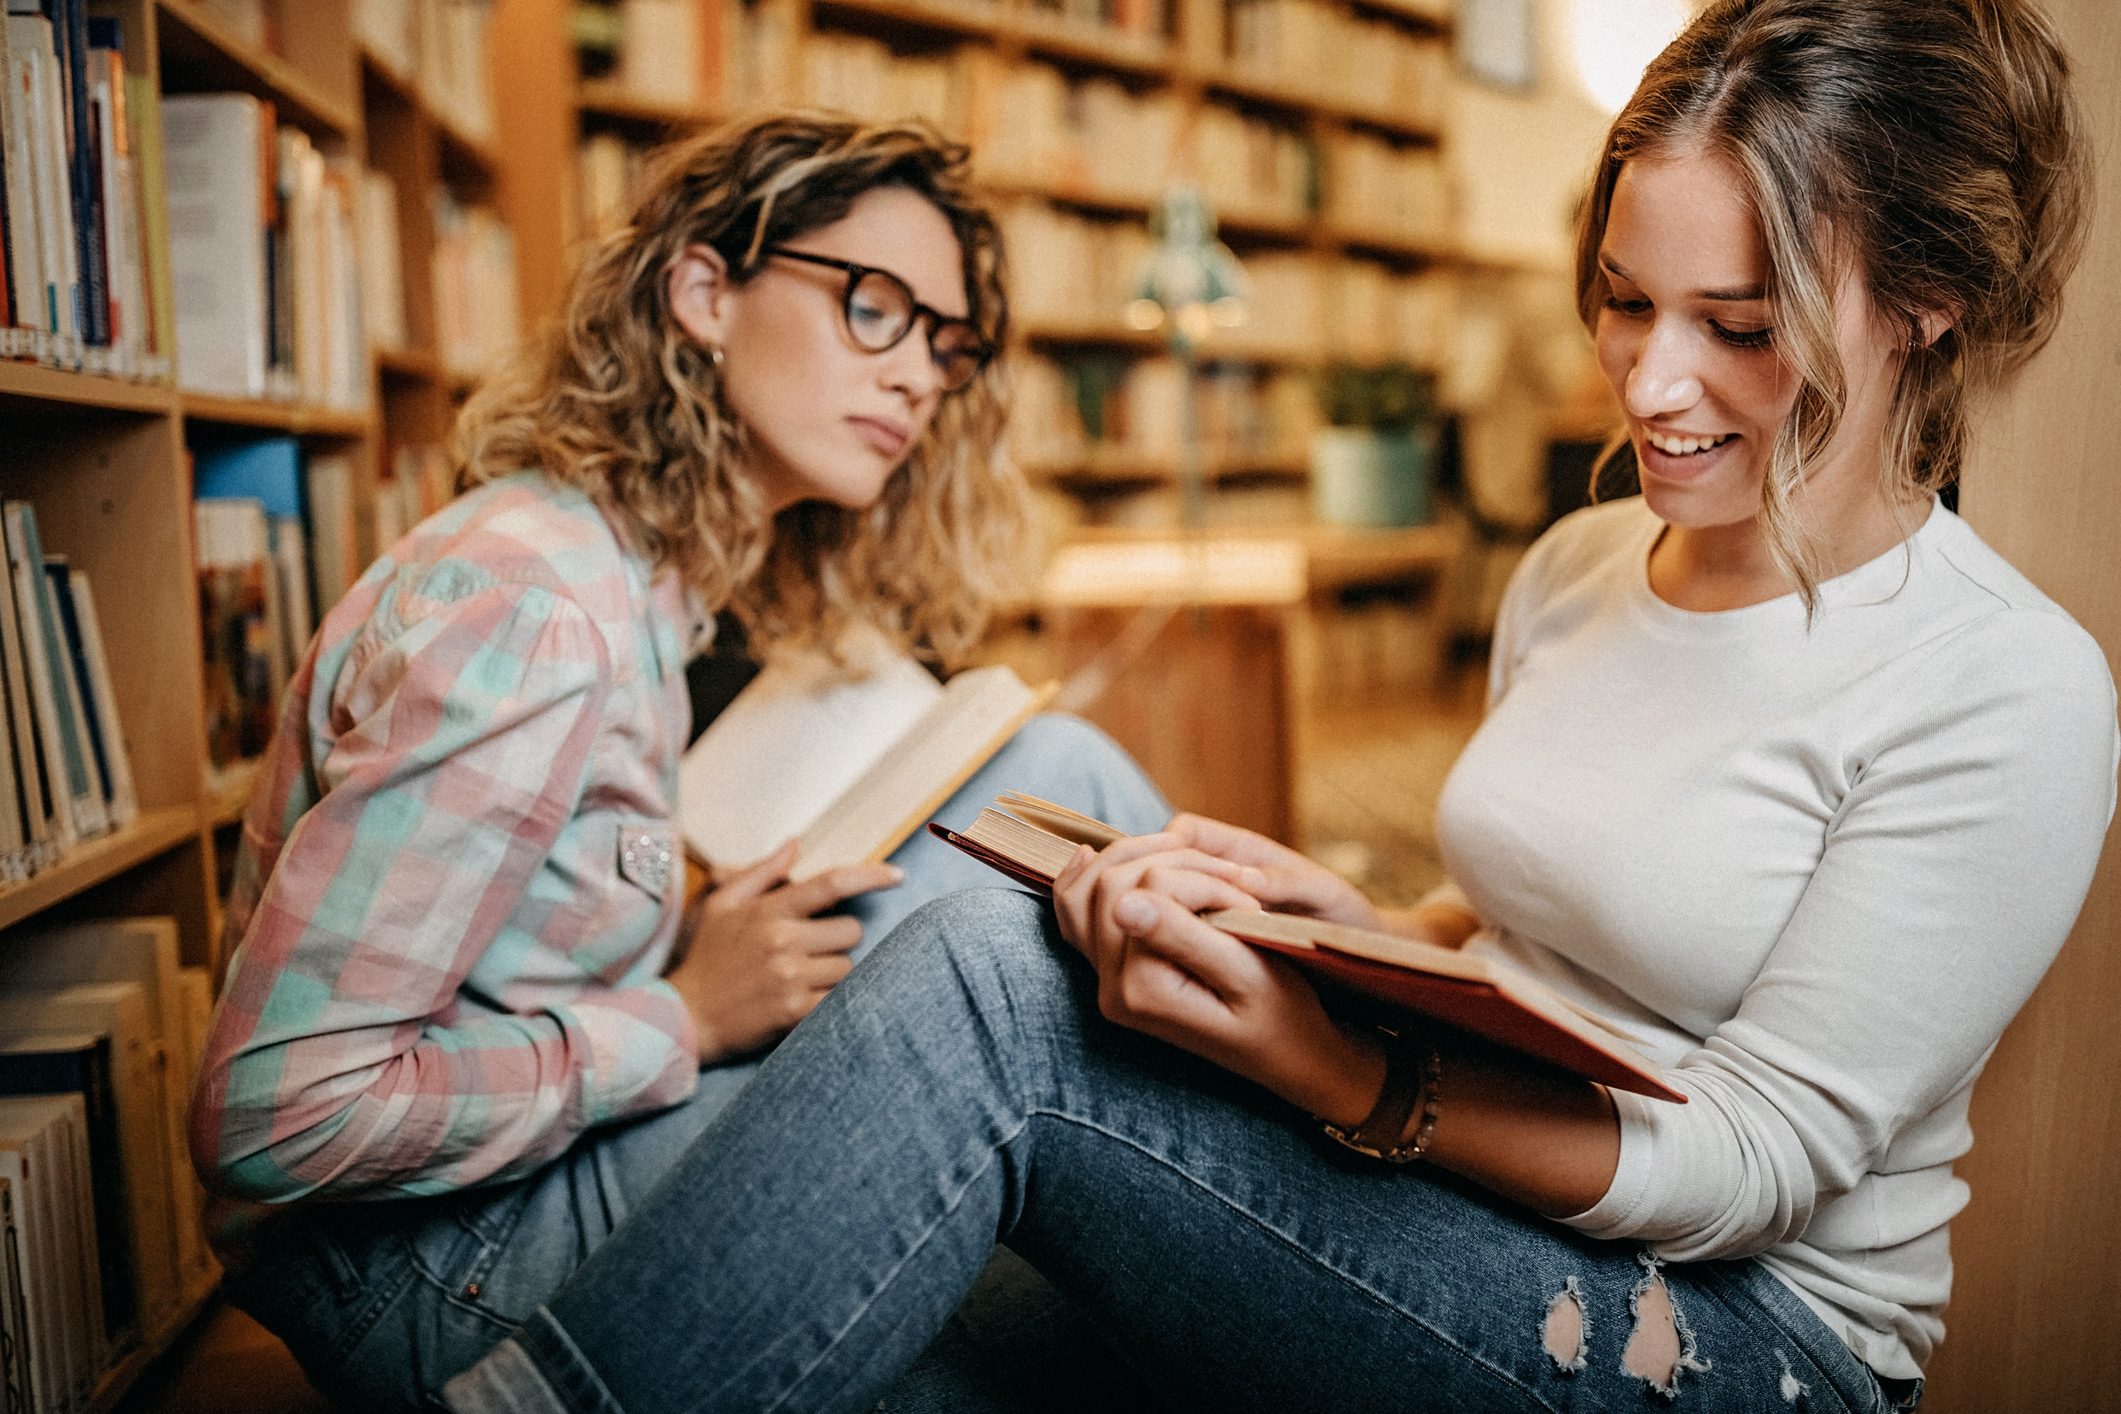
<point x="459" y="876"/>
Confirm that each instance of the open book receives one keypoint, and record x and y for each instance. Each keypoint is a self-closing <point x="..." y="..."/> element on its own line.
<point x="1032" y="840"/>
<point x="848" y="762"/>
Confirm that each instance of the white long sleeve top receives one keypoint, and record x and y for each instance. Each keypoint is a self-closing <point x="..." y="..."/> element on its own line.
<point x="1812" y="870"/>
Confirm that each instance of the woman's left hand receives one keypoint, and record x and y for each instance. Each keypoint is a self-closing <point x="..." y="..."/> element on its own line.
<point x="1134" y="909"/>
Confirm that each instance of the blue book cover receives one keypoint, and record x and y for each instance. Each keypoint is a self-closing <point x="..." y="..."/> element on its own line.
<point x="267" y="470"/>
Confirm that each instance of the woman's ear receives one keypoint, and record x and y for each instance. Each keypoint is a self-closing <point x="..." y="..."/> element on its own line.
<point x="1932" y="325"/>
<point x="698" y="288"/>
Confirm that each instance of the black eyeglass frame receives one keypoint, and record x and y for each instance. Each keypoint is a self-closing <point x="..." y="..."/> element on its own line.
<point x="982" y="349"/>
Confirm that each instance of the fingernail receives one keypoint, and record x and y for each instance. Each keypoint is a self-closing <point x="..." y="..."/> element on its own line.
<point x="1135" y="911"/>
<point x="898" y="875"/>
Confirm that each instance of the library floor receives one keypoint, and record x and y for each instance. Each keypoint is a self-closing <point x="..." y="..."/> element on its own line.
<point x="1368" y="787"/>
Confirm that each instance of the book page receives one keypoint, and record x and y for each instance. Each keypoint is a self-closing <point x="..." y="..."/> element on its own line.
<point x="791" y="743"/>
<point x="974" y="717"/>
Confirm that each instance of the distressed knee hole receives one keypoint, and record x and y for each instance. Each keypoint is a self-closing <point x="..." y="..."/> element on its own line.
<point x="1660" y="1346"/>
<point x="1567" y="1331"/>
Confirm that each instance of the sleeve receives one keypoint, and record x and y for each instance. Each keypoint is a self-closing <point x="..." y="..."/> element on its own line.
<point x="343" y="1061"/>
<point x="1951" y="875"/>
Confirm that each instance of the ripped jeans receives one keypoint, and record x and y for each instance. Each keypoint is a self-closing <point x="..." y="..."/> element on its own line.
<point x="961" y="1090"/>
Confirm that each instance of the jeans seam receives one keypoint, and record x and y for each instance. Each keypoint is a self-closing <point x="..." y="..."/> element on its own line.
<point x="956" y="1201"/>
<point x="1443" y="1338"/>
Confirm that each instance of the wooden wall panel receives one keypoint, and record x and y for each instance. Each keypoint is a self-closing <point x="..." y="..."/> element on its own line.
<point x="2038" y="1254"/>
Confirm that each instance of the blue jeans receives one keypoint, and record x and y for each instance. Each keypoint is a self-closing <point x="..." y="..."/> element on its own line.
<point x="382" y="1302"/>
<point x="962" y="1089"/>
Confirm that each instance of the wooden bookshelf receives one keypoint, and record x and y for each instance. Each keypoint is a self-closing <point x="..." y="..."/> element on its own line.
<point x="1190" y="63"/>
<point x="105" y="461"/>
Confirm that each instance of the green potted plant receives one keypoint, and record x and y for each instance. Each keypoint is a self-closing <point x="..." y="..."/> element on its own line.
<point x="1374" y="461"/>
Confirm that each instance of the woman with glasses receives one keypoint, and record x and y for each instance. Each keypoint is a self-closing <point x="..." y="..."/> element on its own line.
<point x="469" y="1019"/>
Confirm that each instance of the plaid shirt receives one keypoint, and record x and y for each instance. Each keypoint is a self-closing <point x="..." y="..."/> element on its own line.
<point x="459" y="876"/>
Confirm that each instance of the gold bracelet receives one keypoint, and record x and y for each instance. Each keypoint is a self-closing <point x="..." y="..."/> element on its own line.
<point x="1377" y="1136"/>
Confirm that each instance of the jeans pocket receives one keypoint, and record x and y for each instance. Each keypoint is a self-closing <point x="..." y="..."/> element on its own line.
<point x="455" y="1249"/>
<point x="321" y="1287"/>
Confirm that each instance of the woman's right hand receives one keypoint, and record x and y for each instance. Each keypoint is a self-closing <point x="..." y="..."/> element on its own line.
<point x="756" y="957"/>
<point x="1279" y="877"/>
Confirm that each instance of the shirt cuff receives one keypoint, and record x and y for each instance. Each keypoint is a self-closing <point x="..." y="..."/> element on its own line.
<point x="1613" y="1215"/>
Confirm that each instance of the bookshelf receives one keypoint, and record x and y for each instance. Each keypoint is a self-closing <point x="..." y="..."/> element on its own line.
<point x="1355" y="212"/>
<point x="107" y="460"/>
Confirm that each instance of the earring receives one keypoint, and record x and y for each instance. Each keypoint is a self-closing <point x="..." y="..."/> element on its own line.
<point x="714" y="357"/>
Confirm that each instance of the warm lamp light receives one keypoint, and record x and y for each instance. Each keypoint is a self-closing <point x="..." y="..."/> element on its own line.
<point x="1613" y="41"/>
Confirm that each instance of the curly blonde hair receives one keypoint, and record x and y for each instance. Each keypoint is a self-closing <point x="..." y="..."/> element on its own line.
<point x="1933" y="144"/>
<point x="615" y="398"/>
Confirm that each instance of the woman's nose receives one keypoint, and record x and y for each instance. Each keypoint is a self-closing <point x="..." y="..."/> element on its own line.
<point x="1664" y="378"/>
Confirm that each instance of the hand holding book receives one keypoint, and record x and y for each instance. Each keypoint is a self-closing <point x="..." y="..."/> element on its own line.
<point x="1036" y="841"/>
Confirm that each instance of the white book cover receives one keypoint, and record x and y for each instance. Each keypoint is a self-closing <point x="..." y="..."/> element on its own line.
<point x="26" y="577"/>
<point x="30" y="1144"/>
<point x="25" y="252"/>
<point x="14" y="1313"/>
<point x="213" y="145"/>
<point x="22" y="730"/>
<point x="124" y="802"/>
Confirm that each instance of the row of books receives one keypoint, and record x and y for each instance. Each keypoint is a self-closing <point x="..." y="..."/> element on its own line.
<point x="1248" y="166"/>
<point x="273" y="543"/>
<point x="262" y="247"/>
<point x="1092" y="414"/>
<point x="1033" y="126"/>
<point x="1070" y="270"/>
<point x="477" y="308"/>
<point x="1379" y="186"/>
<point x="65" y="775"/>
<point x="275" y="548"/>
<point x="80" y="284"/>
<point x="100" y="1234"/>
<point x="654" y="49"/>
<point x="382" y="260"/>
<point x="1142" y="21"/>
<point x="1333" y="54"/>
<point x="443" y="47"/>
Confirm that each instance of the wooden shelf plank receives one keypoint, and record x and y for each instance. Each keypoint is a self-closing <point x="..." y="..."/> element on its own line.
<point x="413" y="365"/>
<point x="209" y="55"/>
<point x="298" y="418"/>
<point x="88" y="864"/>
<point x="1105" y="47"/>
<point x="613" y="101"/>
<point x="970" y="19"/>
<point x="1392" y="246"/>
<point x="228" y="790"/>
<point x="33" y="382"/>
<point x="1427" y="19"/>
<point x="121" y="1377"/>
<point x="1118" y="465"/>
<point x="1068" y="194"/>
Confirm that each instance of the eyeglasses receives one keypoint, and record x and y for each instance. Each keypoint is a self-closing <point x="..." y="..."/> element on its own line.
<point x="879" y="310"/>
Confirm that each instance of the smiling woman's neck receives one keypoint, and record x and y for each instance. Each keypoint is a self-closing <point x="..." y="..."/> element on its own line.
<point x="1708" y="569"/>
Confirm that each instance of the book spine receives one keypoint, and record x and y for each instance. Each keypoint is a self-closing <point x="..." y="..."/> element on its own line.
<point x="36" y="793"/>
<point x="62" y="767"/>
<point x="58" y="577"/>
<point x="70" y="34"/>
<point x="124" y="801"/>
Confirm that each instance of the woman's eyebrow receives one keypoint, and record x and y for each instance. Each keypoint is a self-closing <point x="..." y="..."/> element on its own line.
<point x="1736" y="294"/>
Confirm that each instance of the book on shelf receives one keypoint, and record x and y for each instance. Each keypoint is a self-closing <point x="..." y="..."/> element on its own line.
<point x="389" y="29"/>
<point x="75" y="282"/>
<point x="334" y="560"/>
<point x="73" y="1040"/>
<point x="848" y="759"/>
<point x="269" y="471"/>
<point x="240" y="621"/>
<point x="455" y="68"/>
<point x="474" y="270"/>
<point x="263" y="255"/>
<point x="1031" y="840"/>
<point x="141" y="952"/>
<point x="382" y="265"/>
<point x="80" y="807"/>
<point x="660" y="54"/>
<point x="51" y="1268"/>
<point x="15" y="1389"/>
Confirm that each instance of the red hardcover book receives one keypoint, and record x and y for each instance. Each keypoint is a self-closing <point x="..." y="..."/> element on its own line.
<point x="1031" y="841"/>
